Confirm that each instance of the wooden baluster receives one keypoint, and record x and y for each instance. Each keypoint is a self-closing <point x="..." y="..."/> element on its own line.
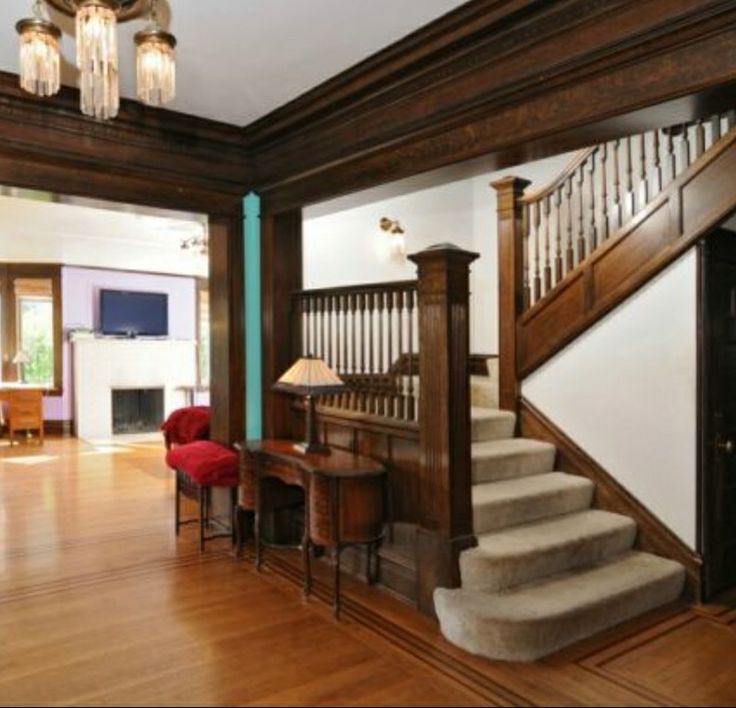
<point x="547" y="262"/>
<point x="304" y="323"/>
<point x="322" y="328"/>
<point x="629" y="200"/>
<point x="617" y="215"/>
<point x="670" y="165"/>
<point x="411" y="398"/>
<point x="685" y="148"/>
<point x="715" y="129"/>
<point x="381" y="354"/>
<point x="604" y="192"/>
<point x="400" y="341"/>
<point x="570" y="252"/>
<point x="699" y="138"/>
<point x="558" y="240"/>
<point x="593" y="235"/>
<point x="352" y="298"/>
<point x="657" y="187"/>
<point x="537" y="273"/>
<point x="643" y="182"/>
<point x="310" y="315"/>
<point x="371" y="383"/>
<point x="581" y="217"/>
<point x="390" y="369"/>
<point x="525" y="231"/>
<point x="362" y="340"/>
<point x="730" y="120"/>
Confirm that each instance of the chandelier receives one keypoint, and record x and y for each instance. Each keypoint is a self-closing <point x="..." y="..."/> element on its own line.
<point x="97" y="54"/>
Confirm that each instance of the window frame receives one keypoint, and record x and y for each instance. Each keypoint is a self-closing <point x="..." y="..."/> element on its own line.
<point x="10" y="327"/>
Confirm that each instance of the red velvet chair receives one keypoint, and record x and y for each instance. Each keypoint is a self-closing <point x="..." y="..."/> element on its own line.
<point x="200" y="466"/>
<point x="185" y="425"/>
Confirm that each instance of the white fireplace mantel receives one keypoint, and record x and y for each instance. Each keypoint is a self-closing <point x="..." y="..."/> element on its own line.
<point x="102" y="364"/>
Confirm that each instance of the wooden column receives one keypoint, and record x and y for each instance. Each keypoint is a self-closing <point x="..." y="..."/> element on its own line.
<point x="510" y="284"/>
<point x="227" y="373"/>
<point x="281" y="275"/>
<point x="446" y="516"/>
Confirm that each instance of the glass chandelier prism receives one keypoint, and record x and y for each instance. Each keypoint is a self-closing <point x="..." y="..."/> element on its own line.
<point x="39" y="57"/>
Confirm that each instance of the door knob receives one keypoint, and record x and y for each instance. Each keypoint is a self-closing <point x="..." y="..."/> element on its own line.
<point x="726" y="446"/>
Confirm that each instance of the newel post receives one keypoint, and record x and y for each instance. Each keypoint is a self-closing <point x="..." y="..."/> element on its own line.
<point x="446" y="513"/>
<point x="510" y="284"/>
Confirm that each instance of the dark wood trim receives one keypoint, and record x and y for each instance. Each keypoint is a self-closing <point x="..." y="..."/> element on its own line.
<point x="509" y="80"/>
<point x="657" y="236"/>
<point x="478" y="365"/>
<point x="281" y="275"/>
<point x="59" y="428"/>
<point x="653" y="535"/>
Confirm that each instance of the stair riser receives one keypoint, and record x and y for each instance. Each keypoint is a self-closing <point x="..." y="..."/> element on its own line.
<point x="525" y="464"/>
<point x="493" y="429"/>
<point x="531" y="640"/>
<point x="484" y="395"/>
<point x="499" y="514"/>
<point x="484" y="572"/>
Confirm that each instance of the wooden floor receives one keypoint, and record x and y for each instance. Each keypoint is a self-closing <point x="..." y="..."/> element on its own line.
<point x="100" y="605"/>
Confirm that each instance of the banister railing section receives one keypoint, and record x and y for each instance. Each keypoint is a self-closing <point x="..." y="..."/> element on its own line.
<point x="369" y="335"/>
<point x="602" y="189"/>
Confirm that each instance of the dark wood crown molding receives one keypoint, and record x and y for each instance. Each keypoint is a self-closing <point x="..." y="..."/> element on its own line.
<point x="511" y="80"/>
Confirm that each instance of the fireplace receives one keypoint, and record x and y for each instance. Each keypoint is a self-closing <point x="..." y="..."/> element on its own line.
<point x="137" y="410"/>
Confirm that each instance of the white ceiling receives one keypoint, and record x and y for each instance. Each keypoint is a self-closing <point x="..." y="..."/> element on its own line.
<point x="34" y="230"/>
<point x="239" y="59"/>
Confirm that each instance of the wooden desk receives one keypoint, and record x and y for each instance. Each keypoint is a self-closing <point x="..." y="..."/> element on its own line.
<point x="24" y="409"/>
<point x="344" y="500"/>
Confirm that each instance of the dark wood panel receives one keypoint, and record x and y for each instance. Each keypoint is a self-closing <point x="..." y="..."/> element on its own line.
<point x="653" y="535"/>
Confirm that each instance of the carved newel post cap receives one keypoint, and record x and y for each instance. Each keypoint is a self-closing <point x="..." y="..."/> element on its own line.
<point x="448" y="251"/>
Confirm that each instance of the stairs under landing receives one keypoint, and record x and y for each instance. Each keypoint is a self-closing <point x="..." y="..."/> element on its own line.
<point x="548" y="570"/>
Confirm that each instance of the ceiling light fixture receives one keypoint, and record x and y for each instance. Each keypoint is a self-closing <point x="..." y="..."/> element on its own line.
<point x="97" y="54"/>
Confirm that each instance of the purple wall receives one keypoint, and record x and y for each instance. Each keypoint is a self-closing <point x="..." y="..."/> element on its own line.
<point x="80" y="295"/>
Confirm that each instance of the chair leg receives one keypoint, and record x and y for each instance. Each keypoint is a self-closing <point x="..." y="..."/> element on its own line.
<point x="233" y="516"/>
<point x="177" y="505"/>
<point x="202" y="494"/>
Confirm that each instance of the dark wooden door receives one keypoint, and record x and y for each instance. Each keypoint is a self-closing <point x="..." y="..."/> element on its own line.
<point x="718" y="444"/>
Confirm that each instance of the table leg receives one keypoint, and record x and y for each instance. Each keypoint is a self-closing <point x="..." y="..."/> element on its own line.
<point x="335" y="520"/>
<point x="306" y="539"/>
<point x="257" y="515"/>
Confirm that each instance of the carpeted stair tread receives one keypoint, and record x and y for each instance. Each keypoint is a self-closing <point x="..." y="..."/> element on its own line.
<point x="519" y="554"/>
<point x="518" y="501"/>
<point x="491" y="424"/>
<point x="530" y="621"/>
<point x="496" y="460"/>
<point x="483" y="392"/>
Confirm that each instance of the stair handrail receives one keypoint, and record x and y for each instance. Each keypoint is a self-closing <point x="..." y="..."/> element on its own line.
<point x="579" y="158"/>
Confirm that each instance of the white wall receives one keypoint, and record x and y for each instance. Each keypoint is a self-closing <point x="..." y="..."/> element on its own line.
<point x="625" y="392"/>
<point x="343" y="244"/>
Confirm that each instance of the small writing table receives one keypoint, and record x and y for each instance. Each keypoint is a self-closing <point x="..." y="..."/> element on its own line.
<point x="343" y="499"/>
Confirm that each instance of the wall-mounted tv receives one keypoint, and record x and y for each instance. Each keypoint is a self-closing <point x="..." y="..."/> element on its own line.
<point x="134" y="314"/>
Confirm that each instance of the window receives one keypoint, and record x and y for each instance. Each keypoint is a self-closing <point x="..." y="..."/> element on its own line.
<point x="203" y="333"/>
<point x="30" y="329"/>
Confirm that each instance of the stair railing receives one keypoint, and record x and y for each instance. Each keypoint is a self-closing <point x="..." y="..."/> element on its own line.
<point x="552" y="239"/>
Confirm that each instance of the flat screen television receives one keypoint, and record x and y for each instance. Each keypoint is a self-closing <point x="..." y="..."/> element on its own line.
<point x="134" y="314"/>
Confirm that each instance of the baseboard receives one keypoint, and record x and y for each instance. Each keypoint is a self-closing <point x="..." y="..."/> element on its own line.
<point x="610" y="495"/>
<point x="59" y="428"/>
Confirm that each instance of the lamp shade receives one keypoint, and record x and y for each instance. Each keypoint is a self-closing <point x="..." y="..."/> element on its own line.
<point x="310" y="376"/>
<point x="21" y="357"/>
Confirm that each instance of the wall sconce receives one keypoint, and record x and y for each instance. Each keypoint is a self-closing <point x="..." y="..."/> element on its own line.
<point x="394" y="241"/>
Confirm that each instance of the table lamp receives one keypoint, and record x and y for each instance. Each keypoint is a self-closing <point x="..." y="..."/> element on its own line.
<point x="310" y="377"/>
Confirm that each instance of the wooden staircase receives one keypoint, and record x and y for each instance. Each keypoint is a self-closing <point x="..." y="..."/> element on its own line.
<point x="619" y="214"/>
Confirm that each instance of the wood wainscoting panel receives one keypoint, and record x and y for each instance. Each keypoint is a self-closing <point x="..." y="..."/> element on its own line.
<point x="653" y="536"/>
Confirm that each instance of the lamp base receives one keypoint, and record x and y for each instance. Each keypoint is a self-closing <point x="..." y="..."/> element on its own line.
<point x="312" y="447"/>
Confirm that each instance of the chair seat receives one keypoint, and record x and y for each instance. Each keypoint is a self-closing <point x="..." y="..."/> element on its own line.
<point x="206" y="463"/>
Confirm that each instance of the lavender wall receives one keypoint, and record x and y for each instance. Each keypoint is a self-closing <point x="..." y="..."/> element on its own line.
<point x="80" y="295"/>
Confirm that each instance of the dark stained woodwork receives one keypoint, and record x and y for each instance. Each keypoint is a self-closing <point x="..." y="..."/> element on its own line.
<point x="446" y="517"/>
<point x="512" y="81"/>
<point x="717" y="413"/>
<point x="511" y="285"/>
<point x="153" y="158"/>
<point x="653" y="535"/>
<point x="281" y="275"/>
<point x="684" y="212"/>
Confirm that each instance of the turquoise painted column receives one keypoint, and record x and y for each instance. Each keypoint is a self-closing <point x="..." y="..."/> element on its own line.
<point x="252" y="292"/>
